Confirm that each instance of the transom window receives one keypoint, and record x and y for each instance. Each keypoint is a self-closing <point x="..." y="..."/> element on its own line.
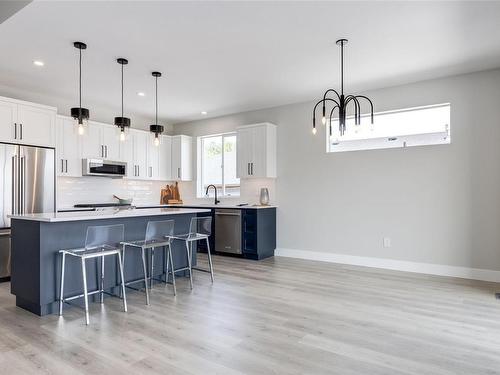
<point x="409" y="127"/>
<point x="217" y="165"/>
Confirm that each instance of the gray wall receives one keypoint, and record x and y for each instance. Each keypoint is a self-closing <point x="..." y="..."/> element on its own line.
<point x="439" y="204"/>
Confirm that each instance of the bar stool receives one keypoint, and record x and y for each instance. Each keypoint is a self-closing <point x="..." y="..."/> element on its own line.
<point x="200" y="228"/>
<point x="101" y="241"/>
<point x="158" y="234"/>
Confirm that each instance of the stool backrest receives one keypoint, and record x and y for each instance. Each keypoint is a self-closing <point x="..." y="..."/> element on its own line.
<point x="200" y="225"/>
<point x="158" y="231"/>
<point x="104" y="236"/>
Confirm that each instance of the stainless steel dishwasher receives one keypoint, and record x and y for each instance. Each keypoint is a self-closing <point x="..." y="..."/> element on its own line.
<point x="228" y="231"/>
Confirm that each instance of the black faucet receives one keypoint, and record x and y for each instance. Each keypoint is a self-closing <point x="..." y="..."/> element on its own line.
<point x="215" y="188"/>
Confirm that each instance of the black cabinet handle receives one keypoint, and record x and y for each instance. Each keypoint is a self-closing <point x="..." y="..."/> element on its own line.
<point x="62" y="165"/>
<point x="15" y="130"/>
<point x="66" y="165"/>
<point x="21" y="131"/>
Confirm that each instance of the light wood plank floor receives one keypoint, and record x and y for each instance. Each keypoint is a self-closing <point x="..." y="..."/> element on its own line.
<point x="278" y="316"/>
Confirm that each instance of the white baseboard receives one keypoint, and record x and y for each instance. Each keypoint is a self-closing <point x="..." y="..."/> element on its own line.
<point x="392" y="264"/>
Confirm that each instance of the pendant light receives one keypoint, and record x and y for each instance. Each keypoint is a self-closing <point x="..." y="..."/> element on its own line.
<point x="123" y="123"/>
<point x="155" y="128"/>
<point x="79" y="114"/>
<point x="340" y="101"/>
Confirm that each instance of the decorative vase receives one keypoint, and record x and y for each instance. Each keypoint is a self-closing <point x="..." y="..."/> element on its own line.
<point x="264" y="196"/>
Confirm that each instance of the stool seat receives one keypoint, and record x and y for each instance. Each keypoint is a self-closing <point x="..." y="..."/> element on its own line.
<point x="91" y="252"/>
<point x="190" y="236"/>
<point x="147" y="243"/>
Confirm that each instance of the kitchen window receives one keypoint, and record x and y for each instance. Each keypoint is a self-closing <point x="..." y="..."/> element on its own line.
<point x="217" y="165"/>
<point x="420" y="126"/>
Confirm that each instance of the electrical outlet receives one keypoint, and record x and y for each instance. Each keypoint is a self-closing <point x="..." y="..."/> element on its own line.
<point x="387" y="242"/>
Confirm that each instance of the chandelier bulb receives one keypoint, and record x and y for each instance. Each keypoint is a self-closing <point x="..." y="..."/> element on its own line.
<point x="323" y="120"/>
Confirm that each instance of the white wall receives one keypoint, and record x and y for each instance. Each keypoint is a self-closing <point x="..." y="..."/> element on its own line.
<point x="439" y="204"/>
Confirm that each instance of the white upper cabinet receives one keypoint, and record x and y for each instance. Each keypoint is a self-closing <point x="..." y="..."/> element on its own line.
<point x="137" y="152"/>
<point x="165" y="162"/>
<point x="27" y="123"/>
<point x="181" y="158"/>
<point x="100" y="141"/>
<point x="111" y="142"/>
<point x="256" y="151"/>
<point x="91" y="141"/>
<point x="69" y="161"/>
<point x="153" y="161"/>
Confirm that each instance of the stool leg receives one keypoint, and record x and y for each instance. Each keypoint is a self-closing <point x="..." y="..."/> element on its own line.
<point x="123" y="264"/>
<point x="145" y="274"/>
<point x="152" y="268"/>
<point x="61" y="289"/>
<point x="85" y="292"/>
<point x="169" y="256"/>
<point x="210" y="261"/>
<point x="168" y="260"/>
<point x="102" y="280"/>
<point x="123" y="281"/>
<point x="188" y="253"/>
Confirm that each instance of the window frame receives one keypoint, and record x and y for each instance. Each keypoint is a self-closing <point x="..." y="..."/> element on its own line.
<point x="329" y="143"/>
<point x="221" y="193"/>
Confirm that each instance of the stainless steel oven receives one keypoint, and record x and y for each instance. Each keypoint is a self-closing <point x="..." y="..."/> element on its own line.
<point x="228" y="231"/>
<point x="104" y="168"/>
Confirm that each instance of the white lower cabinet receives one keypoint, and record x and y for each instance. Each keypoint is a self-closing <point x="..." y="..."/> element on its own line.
<point x="181" y="158"/>
<point x="69" y="161"/>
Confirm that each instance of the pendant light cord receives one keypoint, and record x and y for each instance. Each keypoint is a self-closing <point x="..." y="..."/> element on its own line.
<point x="342" y="68"/>
<point x="80" y="82"/>
<point x="122" y="91"/>
<point x="156" y="117"/>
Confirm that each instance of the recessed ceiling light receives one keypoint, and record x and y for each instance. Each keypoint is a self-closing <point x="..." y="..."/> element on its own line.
<point x="141" y="94"/>
<point x="204" y="113"/>
<point x="38" y="63"/>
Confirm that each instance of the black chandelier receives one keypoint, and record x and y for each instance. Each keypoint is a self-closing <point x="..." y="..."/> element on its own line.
<point x="155" y="128"/>
<point x="123" y="123"/>
<point x="79" y="114"/>
<point x="340" y="102"/>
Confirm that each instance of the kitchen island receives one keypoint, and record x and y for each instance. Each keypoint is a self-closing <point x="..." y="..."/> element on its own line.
<point x="37" y="239"/>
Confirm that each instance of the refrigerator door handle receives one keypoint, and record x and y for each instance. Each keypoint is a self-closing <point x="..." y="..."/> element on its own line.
<point x="23" y="187"/>
<point x="15" y="187"/>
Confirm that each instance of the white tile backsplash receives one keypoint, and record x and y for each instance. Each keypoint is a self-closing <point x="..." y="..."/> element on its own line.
<point x="71" y="190"/>
<point x="74" y="190"/>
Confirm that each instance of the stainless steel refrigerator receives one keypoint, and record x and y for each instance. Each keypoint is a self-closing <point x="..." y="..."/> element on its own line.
<point x="27" y="176"/>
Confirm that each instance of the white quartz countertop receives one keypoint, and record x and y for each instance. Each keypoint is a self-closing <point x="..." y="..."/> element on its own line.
<point x="209" y="205"/>
<point x="107" y="214"/>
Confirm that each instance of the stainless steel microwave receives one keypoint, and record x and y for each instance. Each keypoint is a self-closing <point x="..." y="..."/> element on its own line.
<point x="104" y="168"/>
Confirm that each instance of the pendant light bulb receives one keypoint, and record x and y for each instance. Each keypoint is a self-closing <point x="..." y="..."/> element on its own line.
<point x="156" y="141"/>
<point x="314" y="131"/>
<point x="323" y="120"/>
<point x="81" y="129"/>
<point x="122" y="135"/>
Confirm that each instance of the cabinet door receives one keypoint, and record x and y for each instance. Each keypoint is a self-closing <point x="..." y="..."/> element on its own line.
<point x="244" y="146"/>
<point x="69" y="161"/>
<point x="8" y="119"/>
<point x="165" y="173"/>
<point x="111" y="142"/>
<point x="176" y="158"/>
<point x="127" y="154"/>
<point x="181" y="158"/>
<point x="153" y="161"/>
<point x="36" y="125"/>
<point x="258" y="152"/>
<point x="140" y="154"/>
<point x="92" y="145"/>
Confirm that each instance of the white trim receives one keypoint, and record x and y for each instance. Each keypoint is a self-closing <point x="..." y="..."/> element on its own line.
<point x="393" y="264"/>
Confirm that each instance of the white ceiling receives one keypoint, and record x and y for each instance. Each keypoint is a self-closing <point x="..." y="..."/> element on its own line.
<point x="226" y="57"/>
